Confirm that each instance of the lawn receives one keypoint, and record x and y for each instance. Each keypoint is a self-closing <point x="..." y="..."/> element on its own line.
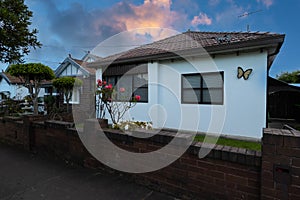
<point x="232" y="142"/>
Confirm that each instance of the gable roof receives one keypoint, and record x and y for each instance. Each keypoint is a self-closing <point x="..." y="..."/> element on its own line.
<point x="80" y="64"/>
<point x="83" y="64"/>
<point x="191" y="43"/>
<point x="11" y="79"/>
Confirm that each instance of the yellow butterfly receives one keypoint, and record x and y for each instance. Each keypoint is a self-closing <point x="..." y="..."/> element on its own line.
<point x="245" y="74"/>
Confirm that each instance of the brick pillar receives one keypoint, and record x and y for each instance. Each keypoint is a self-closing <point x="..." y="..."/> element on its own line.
<point x="29" y="135"/>
<point x="280" y="165"/>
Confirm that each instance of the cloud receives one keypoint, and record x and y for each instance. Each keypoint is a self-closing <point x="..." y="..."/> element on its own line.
<point x="213" y="2"/>
<point x="201" y="19"/>
<point x="75" y="27"/>
<point x="228" y="16"/>
<point x="267" y="3"/>
<point x="152" y="13"/>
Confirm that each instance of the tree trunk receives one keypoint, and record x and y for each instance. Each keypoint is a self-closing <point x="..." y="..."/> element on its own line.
<point x="35" y="106"/>
<point x="67" y="106"/>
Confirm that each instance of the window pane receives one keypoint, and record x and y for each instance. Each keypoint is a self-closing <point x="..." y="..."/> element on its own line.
<point x="110" y="80"/>
<point x="191" y="96"/>
<point x="213" y="96"/>
<point x="214" y="80"/>
<point x="191" y="81"/>
<point x="140" y="80"/>
<point x="143" y="92"/>
<point x="124" y="82"/>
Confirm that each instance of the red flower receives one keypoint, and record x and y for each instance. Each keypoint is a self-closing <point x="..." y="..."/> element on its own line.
<point x="137" y="97"/>
<point x="99" y="82"/>
<point x="122" y="89"/>
<point x="109" y="87"/>
<point x="104" y="82"/>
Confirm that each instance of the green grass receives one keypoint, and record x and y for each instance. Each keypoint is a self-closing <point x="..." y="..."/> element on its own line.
<point x="231" y="142"/>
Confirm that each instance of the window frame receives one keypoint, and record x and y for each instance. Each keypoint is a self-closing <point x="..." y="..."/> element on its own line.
<point x="134" y="88"/>
<point x="202" y="88"/>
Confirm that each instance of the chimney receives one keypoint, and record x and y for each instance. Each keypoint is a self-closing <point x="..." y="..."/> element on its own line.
<point x="70" y="56"/>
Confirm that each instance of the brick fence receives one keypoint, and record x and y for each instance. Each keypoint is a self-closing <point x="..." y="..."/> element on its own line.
<point x="225" y="173"/>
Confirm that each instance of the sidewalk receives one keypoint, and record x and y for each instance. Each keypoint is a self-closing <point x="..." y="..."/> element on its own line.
<point x="30" y="177"/>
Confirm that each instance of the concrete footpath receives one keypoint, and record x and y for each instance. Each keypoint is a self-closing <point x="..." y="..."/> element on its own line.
<point x="31" y="177"/>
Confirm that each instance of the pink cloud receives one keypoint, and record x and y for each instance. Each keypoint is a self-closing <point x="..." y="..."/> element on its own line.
<point x="152" y="13"/>
<point x="201" y="19"/>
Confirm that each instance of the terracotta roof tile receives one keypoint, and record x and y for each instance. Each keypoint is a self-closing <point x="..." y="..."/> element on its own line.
<point x="193" y="40"/>
<point x="12" y="79"/>
<point x="84" y="65"/>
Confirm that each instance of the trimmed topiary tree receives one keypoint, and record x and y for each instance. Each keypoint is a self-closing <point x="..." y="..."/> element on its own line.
<point x="32" y="74"/>
<point x="66" y="85"/>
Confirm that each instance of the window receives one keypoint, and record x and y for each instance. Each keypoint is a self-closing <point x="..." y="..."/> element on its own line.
<point x="75" y="96"/>
<point x="204" y="88"/>
<point x="134" y="84"/>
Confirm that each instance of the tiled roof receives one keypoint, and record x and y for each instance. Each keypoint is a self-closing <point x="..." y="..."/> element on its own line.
<point x="12" y="79"/>
<point x="210" y="41"/>
<point x="84" y="65"/>
<point x="16" y="80"/>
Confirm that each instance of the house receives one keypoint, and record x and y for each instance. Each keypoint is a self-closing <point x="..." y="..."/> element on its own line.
<point x="213" y="82"/>
<point x="77" y="68"/>
<point x="283" y="100"/>
<point x="13" y="87"/>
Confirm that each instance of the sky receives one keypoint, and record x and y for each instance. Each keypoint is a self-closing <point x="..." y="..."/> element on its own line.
<point x="77" y="26"/>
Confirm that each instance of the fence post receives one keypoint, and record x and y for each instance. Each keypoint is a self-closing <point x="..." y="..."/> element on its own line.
<point x="280" y="170"/>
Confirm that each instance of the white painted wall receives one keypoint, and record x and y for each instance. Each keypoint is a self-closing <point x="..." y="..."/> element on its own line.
<point x="244" y="106"/>
<point x="17" y="92"/>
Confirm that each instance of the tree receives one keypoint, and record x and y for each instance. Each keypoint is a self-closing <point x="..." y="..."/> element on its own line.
<point x="15" y="36"/>
<point x="32" y="74"/>
<point x="289" y="77"/>
<point x="66" y="85"/>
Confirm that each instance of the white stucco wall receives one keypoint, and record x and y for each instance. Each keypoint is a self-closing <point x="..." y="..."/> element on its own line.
<point x="244" y="108"/>
<point x="17" y="92"/>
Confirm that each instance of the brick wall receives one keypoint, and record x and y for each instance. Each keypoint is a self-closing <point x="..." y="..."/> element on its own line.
<point x="225" y="173"/>
<point x="280" y="164"/>
<point x="11" y="131"/>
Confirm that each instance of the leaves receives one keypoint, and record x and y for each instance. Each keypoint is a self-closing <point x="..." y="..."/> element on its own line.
<point x="67" y="83"/>
<point x="15" y="36"/>
<point x="290" y="77"/>
<point x="33" y="74"/>
<point x="31" y="71"/>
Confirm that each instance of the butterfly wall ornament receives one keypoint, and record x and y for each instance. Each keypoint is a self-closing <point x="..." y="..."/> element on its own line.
<point x="245" y="74"/>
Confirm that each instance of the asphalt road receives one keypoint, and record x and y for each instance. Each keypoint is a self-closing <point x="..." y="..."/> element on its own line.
<point x="30" y="177"/>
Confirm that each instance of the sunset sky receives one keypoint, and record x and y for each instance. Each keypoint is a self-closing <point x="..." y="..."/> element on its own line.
<point x="77" y="26"/>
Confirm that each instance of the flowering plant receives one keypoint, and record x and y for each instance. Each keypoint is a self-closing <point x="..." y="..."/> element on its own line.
<point x="107" y="100"/>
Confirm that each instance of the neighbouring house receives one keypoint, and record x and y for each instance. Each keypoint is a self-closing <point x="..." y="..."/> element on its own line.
<point x="77" y="68"/>
<point x="212" y="82"/>
<point x="12" y="87"/>
<point x="283" y="100"/>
